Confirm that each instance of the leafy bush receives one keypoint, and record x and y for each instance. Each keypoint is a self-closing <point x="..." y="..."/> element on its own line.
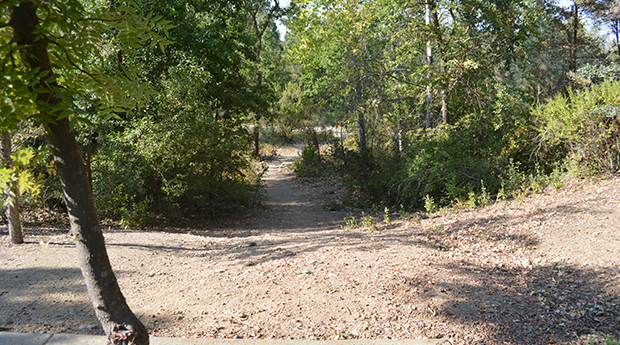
<point x="470" y="164"/>
<point x="185" y="154"/>
<point x="309" y="162"/>
<point x="178" y="166"/>
<point x="583" y="126"/>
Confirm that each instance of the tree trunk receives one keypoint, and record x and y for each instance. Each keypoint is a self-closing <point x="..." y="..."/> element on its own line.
<point x="88" y="155"/>
<point x="361" y="121"/>
<point x="429" y="61"/>
<point x="442" y="64"/>
<point x="616" y="30"/>
<point x="259" y="31"/>
<point x="572" y="37"/>
<point x="118" y="321"/>
<point x="12" y="207"/>
<point x="256" y="138"/>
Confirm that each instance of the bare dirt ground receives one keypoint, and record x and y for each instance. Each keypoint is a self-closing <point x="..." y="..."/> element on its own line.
<point x="542" y="270"/>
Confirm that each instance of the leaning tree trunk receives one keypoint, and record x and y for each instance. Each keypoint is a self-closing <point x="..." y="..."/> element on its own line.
<point x="12" y="207"/>
<point x="118" y="321"/>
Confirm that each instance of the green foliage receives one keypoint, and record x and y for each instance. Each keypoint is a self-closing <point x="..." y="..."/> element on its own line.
<point x="589" y="75"/>
<point x="469" y="164"/>
<point x="449" y="164"/>
<point x="583" y="126"/>
<point x="185" y="154"/>
<point x="309" y="162"/>
<point x="604" y="341"/>
<point x="387" y="219"/>
<point x="20" y="179"/>
<point x="368" y="221"/>
<point x="81" y="46"/>
<point x="175" y="167"/>
<point x="429" y="204"/>
<point x="351" y="223"/>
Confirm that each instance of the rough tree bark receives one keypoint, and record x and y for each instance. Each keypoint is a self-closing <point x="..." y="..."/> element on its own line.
<point x="118" y="321"/>
<point x="12" y="207"/>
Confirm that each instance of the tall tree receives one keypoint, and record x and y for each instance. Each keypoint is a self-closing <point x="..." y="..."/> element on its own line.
<point x="607" y="11"/>
<point x="262" y="15"/>
<point x="11" y="193"/>
<point x="48" y="63"/>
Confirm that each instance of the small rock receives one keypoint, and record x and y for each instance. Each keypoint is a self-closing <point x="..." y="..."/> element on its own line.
<point x="179" y="317"/>
<point x="88" y="327"/>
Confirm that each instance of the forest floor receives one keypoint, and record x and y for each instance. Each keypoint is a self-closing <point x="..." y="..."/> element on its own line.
<point x="543" y="269"/>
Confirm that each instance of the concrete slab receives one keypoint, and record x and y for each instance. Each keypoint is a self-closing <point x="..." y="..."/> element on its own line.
<point x="196" y="341"/>
<point x="11" y="338"/>
<point x="76" y="339"/>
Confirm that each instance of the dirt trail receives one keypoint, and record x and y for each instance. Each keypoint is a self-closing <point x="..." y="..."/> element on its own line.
<point x="535" y="271"/>
<point x="291" y="206"/>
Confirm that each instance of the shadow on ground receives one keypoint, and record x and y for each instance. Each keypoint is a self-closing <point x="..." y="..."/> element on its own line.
<point x="26" y="293"/>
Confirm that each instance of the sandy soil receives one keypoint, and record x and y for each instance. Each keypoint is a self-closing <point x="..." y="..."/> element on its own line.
<point x="542" y="270"/>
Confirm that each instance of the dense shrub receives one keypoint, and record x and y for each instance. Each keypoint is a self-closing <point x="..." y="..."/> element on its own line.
<point x="583" y="126"/>
<point x="471" y="163"/>
<point x="174" y="167"/>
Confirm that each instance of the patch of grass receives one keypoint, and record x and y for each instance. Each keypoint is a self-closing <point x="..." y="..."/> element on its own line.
<point x="387" y="219"/>
<point x="351" y="223"/>
<point x="605" y="340"/>
<point x="367" y="220"/>
<point x="429" y="204"/>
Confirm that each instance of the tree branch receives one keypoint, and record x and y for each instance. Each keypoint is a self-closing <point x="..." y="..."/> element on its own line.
<point x="66" y="53"/>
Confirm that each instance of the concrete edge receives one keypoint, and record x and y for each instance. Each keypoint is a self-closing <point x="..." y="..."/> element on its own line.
<point x="12" y="338"/>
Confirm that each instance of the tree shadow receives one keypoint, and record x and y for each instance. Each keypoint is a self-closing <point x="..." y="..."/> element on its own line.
<point x="42" y="298"/>
<point x="546" y="304"/>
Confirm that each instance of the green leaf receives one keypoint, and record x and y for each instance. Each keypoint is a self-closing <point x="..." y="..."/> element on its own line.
<point x="22" y="157"/>
<point x="64" y="114"/>
<point x="58" y="107"/>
